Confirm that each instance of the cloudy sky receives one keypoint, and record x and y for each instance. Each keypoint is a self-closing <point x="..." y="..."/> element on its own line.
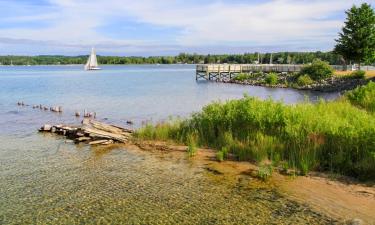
<point x="167" y="27"/>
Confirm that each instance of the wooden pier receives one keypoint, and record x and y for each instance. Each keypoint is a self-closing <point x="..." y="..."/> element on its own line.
<point x="229" y="71"/>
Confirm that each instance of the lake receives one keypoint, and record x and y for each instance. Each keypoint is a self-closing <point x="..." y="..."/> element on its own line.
<point x="44" y="180"/>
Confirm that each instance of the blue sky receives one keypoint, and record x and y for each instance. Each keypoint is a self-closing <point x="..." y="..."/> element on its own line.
<point x="168" y="27"/>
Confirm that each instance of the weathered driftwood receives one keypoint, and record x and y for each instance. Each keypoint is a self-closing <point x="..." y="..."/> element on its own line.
<point x="106" y="127"/>
<point x="82" y="139"/>
<point x="101" y="142"/>
<point x="92" y="132"/>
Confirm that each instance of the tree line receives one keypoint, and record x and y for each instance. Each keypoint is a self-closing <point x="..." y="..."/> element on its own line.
<point x="182" y="58"/>
<point x="356" y="44"/>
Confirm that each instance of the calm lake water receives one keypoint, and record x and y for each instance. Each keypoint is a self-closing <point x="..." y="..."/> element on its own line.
<point x="44" y="180"/>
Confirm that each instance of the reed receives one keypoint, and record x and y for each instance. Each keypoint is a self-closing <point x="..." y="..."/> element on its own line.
<point x="326" y="136"/>
<point x="264" y="172"/>
<point x="192" y="145"/>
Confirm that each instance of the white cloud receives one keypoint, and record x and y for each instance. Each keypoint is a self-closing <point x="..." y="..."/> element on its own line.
<point x="306" y="24"/>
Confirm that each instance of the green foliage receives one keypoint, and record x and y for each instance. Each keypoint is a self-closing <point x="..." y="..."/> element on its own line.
<point x="222" y="154"/>
<point x="318" y="70"/>
<point x="161" y="131"/>
<point x="242" y="77"/>
<point x="357" y="40"/>
<point x="265" y="172"/>
<point x="272" y="79"/>
<point x="358" y="74"/>
<point x="192" y="145"/>
<point x="363" y="96"/>
<point x="328" y="136"/>
<point x="304" y="80"/>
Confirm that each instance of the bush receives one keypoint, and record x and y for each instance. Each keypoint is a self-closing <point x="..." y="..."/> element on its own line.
<point x="271" y="79"/>
<point x="242" y="77"/>
<point x="358" y="74"/>
<point x="245" y="76"/>
<point x="363" y="96"/>
<point x="318" y="70"/>
<point x="304" y="80"/>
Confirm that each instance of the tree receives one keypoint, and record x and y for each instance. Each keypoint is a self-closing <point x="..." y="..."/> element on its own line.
<point x="357" y="40"/>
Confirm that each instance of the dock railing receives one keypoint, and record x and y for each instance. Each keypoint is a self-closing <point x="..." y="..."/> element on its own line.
<point x="225" y="71"/>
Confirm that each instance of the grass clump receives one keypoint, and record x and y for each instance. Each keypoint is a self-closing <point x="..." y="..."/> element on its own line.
<point x="222" y="154"/>
<point x="192" y="145"/>
<point x="363" y="96"/>
<point x="332" y="136"/>
<point x="271" y="79"/>
<point x="304" y="80"/>
<point x="265" y="172"/>
<point x="160" y="131"/>
<point x="318" y="70"/>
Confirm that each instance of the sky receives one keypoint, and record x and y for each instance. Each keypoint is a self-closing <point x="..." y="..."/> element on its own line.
<point x="168" y="27"/>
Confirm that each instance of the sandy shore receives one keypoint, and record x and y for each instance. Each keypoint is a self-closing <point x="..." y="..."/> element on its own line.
<point x="342" y="199"/>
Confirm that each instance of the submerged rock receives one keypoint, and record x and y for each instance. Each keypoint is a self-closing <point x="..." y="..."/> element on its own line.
<point x="355" y="222"/>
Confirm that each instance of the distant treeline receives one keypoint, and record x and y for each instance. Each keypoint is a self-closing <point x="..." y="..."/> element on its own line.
<point x="277" y="58"/>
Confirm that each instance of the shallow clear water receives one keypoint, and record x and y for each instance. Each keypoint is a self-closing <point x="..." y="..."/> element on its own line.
<point x="44" y="180"/>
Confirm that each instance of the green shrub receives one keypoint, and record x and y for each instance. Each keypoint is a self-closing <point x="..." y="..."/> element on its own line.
<point x="242" y="77"/>
<point x="358" y="74"/>
<point x="304" y="80"/>
<point x="271" y="79"/>
<point x="363" y="96"/>
<point x="318" y="70"/>
<point x="257" y="74"/>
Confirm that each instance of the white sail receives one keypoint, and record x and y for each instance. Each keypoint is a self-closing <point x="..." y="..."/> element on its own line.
<point x="92" y="62"/>
<point x="87" y="66"/>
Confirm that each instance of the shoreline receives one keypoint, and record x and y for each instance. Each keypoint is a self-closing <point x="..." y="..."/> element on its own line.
<point x="334" y="84"/>
<point x="342" y="198"/>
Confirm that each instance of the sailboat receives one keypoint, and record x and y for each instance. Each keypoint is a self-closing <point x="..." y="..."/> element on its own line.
<point x="92" y="62"/>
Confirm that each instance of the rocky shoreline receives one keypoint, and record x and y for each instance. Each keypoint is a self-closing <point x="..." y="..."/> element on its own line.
<point x="332" y="84"/>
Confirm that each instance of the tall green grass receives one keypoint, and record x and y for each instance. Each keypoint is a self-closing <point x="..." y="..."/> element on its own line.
<point x="327" y="136"/>
<point x="363" y="96"/>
